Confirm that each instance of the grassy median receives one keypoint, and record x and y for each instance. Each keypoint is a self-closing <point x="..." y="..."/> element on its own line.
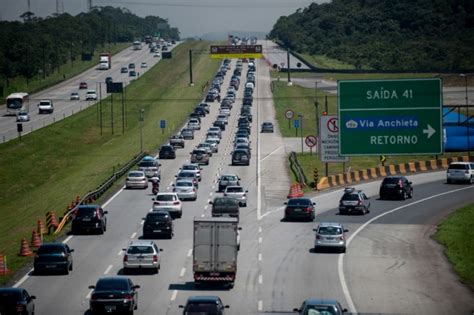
<point x="49" y="167"/>
<point x="456" y="235"/>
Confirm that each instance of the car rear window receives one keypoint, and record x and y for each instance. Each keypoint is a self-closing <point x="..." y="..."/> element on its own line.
<point x="234" y="189"/>
<point x="329" y="230"/>
<point x="350" y="197"/>
<point x="201" y="308"/>
<point x="458" y="167"/>
<point x="140" y="250"/>
<point x="299" y="202"/>
<point x="147" y="164"/>
<point x="50" y="249"/>
<point x="157" y="217"/>
<point x="184" y="184"/>
<point x="166" y="197"/>
<point x="391" y="180"/>
<point x="85" y="212"/>
<point x="9" y="297"/>
<point x="135" y="174"/>
<point x="112" y="284"/>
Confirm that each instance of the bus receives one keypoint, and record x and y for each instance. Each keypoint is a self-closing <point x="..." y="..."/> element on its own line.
<point x="17" y="102"/>
<point x="137" y="45"/>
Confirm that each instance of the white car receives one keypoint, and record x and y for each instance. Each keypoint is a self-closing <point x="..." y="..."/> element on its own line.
<point x="194" y="124"/>
<point x="171" y="201"/>
<point x="224" y="111"/>
<point x="22" y="116"/>
<point x="144" y="65"/>
<point x="237" y="192"/>
<point x="142" y="254"/>
<point x="136" y="179"/>
<point x="185" y="189"/>
<point x="91" y="95"/>
<point x="196" y="168"/>
<point x="460" y="172"/>
<point x="213" y="144"/>
<point x="157" y="54"/>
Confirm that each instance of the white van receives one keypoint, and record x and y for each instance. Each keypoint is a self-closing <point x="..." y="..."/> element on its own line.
<point x="249" y="85"/>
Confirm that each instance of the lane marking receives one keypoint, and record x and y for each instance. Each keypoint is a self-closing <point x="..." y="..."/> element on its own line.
<point x="173" y="296"/>
<point x="259" y="229"/>
<point x="183" y="271"/>
<point x="340" y="261"/>
<point x="88" y="296"/>
<point x="133" y="235"/>
<point x="190" y="252"/>
<point x="260" y="306"/>
<point x="259" y="257"/>
<point x="272" y="152"/>
<point x="108" y="269"/>
<point x="67" y="239"/>
<point x="205" y="207"/>
<point x="260" y="279"/>
<point x="202" y="215"/>
<point x="120" y="252"/>
<point x="260" y="240"/>
<point x="113" y="197"/>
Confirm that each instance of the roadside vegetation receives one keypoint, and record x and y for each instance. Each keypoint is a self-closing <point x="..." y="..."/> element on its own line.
<point x="49" y="167"/>
<point x="456" y="234"/>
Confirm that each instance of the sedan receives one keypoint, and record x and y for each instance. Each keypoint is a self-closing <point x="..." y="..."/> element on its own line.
<point x="267" y="127"/>
<point x="82" y="85"/>
<point x="113" y="295"/>
<point x="91" y="95"/>
<point x="187" y="134"/>
<point x="169" y="200"/>
<point x="141" y="254"/>
<point x="16" y="301"/>
<point x="204" y="305"/>
<point x="136" y="179"/>
<point x="132" y="73"/>
<point x="237" y="192"/>
<point x="300" y="208"/>
<point x="320" y="306"/>
<point x="22" y="116"/>
<point x="158" y="223"/>
<point x="124" y="70"/>
<point x="144" y="65"/>
<point x="194" y="167"/>
<point x="185" y="189"/>
<point x="330" y="235"/>
<point x="74" y="96"/>
<point x="53" y="257"/>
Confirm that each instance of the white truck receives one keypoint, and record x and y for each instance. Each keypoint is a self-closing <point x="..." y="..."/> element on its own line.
<point x="45" y="107"/>
<point x="105" y="61"/>
<point x="215" y="248"/>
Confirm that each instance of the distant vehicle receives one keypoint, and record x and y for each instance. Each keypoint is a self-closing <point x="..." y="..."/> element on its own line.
<point x="194" y="168"/>
<point x="189" y="174"/>
<point x="53" y="257"/>
<point x="354" y="201"/>
<point x="144" y="65"/>
<point x="267" y="127"/>
<point x="105" y="61"/>
<point x="396" y="186"/>
<point x="228" y="180"/>
<point x="240" y="157"/>
<point x="22" y="116"/>
<point x="124" y="70"/>
<point x="158" y="223"/>
<point x="16" y="301"/>
<point x="89" y="218"/>
<point x="299" y="208"/>
<point x="177" y="141"/>
<point x="330" y="235"/>
<point x="137" y="45"/>
<point x="215" y="248"/>
<point x="136" y="179"/>
<point x="204" y="305"/>
<point x="113" y="294"/>
<point x="150" y="166"/>
<point x="131" y="66"/>
<point x="18" y="102"/>
<point x="142" y="255"/>
<point x="460" y="172"/>
<point x="171" y="201"/>
<point x="45" y="106"/>
<point x="148" y="39"/>
<point x="91" y="95"/>
<point x="238" y="193"/>
<point x="225" y="207"/>
<point x="320" y="306"/>
<point x="74" y="96"/>
<point x="132" y="73"/>
<point x="82" y="85"/>
<point x="167" y="152"/>
<point x="188" y="134"/>
<point x="200" y="157"/>
<point x="157" y="54"/>
<point x="185" y="189"/>
<point x="109" y="80"/>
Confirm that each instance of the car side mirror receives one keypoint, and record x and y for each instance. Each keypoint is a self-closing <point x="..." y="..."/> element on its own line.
<point x="32" y="297"/>
<point x="285" y="203"/>
<point x="226" y="306"/>
<point x="246" y="191"/>
<point x="159" y="164"/>
<point x="92" y="287"/>
<point x="181" y="306"/>
<point x="344" y="310"/>
<point x="296" y="310"/>
<point x="105" y="212"/>
<point x="346" y="230"/>
<point x="410" y="183"/>
<point x="71" y="250"/>
<point x="153" y="198"/>
<point x="143" y="218"/>
<point x="210" y="202"/>
<point x="136" y="287"/>
<point x="315" y="230"/>
<point x="314" y="203"/>
<point x="175" y="175"/>
<point x="124" y="249"/>
<point x="239" y="228"/>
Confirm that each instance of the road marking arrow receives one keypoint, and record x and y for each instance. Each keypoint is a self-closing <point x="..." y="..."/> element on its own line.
<point x="429" y="131"/>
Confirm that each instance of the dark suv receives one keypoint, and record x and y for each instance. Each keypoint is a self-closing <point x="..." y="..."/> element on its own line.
<point x="167" y="152"/>
<point x="158" y="223"/>
<point x="89" y="217"/>
<point x="53" y="257"/>
<point x="204" y="305"/>
<point x="354" y="201"/>
<point x="396" y="186"/>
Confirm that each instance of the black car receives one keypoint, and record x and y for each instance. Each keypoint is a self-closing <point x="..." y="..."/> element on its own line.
<point x="240" y="157"/>
<point x="16" y="301"/>
<point x="109" y="80"/>
<point x="167" y="152"/>
<point x="242" y="134"/>
<point x="243" y="129"/>
<point x="158" y="223"/>
<point x="204" y="305"/>
<point x="89" y="218"/>
<point x="300" y="208"/>
<point x="247" y="101"/>
<point x="113" y="295"/>
<point x="225" y="207"/>
<point x="220" y="124"/>
<point x="131" y="66"/>
<point x="53" y="257"/>
<point x="195" y="115"/>
<point x="124" y="70"/>
<point x="201" y="112"/>
<point x="396" y="186"/>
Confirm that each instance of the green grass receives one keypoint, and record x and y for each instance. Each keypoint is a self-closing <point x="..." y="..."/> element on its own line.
<point x="456" y="235"/>
<point x="66" y="71"/>
<point x="48" y="168"/>
<point x="322" y="61"/>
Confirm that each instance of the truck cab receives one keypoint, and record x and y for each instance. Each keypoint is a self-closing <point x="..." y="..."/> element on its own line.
<point x="45" y="106"/>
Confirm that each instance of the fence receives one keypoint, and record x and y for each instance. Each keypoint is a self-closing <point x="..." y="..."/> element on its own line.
<point x="297" y="170"/>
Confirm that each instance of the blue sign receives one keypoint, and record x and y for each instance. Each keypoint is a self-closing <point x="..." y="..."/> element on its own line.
<point x="162" y="124"/>
<point x="296" y="123"/>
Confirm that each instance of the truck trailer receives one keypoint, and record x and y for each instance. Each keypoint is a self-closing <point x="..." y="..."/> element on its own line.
<point x="215" y="248"/>
<point x="105" y="61"/>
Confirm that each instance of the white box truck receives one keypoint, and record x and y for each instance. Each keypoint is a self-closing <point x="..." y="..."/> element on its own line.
<point x="215" y="248"/>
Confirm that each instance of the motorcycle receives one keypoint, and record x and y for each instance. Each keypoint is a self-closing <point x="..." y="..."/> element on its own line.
<point x="155" y="185"/>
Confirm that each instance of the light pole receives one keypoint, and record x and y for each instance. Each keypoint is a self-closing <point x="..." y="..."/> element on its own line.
<point x="141" y="119"/>
<point x="300" y="116"/>
<point x="468" y="118"/>
<point x="316" y="105"/>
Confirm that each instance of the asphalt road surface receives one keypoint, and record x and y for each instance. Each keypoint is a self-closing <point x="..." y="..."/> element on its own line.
<point x="391" y="264"/>
<point x="275" y="55"/>
<point x="60" y="93"/>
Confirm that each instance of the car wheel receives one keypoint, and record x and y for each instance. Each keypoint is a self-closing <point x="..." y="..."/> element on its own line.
<point x="411" y="194"/>
<point x="405" y="195"/>
<point x="126" y="271"/>
<point x="101" y="230"/>
<point x="157" y="270"/>
<point x="449" y="181"/>
<point x="70" y="267"/>
<point x="343" y="249"/>
<point x="471" y="180"/>
<point x="66" y="270"/>
<point x="382" y="197"/>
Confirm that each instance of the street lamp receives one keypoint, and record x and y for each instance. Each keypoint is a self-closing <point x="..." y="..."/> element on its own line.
<point x="468" y="118"/>
<point x="316" y="105"/>
<point x="141" y="119"/>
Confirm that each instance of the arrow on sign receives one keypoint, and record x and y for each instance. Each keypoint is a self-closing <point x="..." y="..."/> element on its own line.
<point x="429" y="131"/>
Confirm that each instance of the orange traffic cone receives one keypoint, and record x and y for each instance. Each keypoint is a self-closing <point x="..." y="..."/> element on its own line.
<point x="41" y="229"/>
<point x="78" y="199"/>
<point x="25" y="248"/>
<point x="35" y="239"/>
<point x="3" y="266"/>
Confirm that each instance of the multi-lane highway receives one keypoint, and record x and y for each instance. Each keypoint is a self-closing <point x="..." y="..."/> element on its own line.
<point x="60" y="93"/>
<point x="391" y="264"/>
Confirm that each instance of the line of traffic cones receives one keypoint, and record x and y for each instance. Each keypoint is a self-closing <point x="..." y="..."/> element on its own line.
<point x="295" y="191"/>
<point x="35" y="239"/>
<point x="25" y="249"/>
<point x="40" y="228"/>
<point x="3" y="266"/>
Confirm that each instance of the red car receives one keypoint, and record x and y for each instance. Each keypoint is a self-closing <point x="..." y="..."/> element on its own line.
<point x="82" y="85"/>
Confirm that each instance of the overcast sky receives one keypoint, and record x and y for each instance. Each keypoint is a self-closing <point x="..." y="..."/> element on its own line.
<point x="191" y="17"/>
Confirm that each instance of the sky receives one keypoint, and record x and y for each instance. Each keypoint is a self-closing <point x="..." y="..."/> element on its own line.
<point x="191" y="17"/>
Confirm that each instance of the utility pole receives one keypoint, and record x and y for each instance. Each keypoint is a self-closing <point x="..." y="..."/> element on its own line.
<point x="191" y="83"/>
<point x="89" y="6"/>
<point x="141" y="119"/>
<point x="288" y="66"/>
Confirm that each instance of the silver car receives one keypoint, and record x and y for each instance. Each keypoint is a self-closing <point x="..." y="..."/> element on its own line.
<point x="185" y="189"/>
<point x="237" y="192"/>
<point x="194" y="167"/>
<point x="142" y="255"/>
<point x="171" y="201"/>
<point x="22" y="116"/>
<point x="136" y="179"/>
<point x="213" y="142"/>
<point x="460" y="171"/>
<point x="330" y="234"/>
<point x="205" y="146"/>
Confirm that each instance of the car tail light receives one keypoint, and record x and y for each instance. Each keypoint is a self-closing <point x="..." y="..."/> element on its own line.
<point x="359" y="202"/>
<point x="400" y="183"/>
<point x="155" y="258"/>
<point x="128" y="297"/>
<point x="93" y="297"/>
<point x="194" y="189"/>
<point x="318" y="237"/>
<point x="176" y="203"/>
<point x="125" y="258"/>
<point x="20" y="308"/>
<point x="341" y="238"/>
<point x="156" y="203"/>
<point x="309" y="209"/>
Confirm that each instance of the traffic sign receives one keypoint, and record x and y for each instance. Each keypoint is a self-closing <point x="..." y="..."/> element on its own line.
<point x="289" y="114"/>
<point x="162" y="123"/>
<point x="329" y="140"/>
<point x="296" y="123"/>
<point x="311" y="141"/>
<point x="392" y="117"/>
<point x="231" y="51"/>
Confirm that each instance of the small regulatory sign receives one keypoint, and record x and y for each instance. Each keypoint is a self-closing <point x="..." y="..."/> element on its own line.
<point x="289" y="114"/>
<point x="311" y="141"/>
<point x="230" y="51"/>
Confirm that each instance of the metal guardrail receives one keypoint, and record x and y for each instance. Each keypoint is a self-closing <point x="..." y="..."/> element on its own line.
<point x="99" y="191"/>
<point x="297" y="170"/>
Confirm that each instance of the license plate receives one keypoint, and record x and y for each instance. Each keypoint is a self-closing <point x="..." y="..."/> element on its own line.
<point x="330" y="238"/>
<point x="297" y="210"/>
<point x="86" y="219"/>
<point x="157" y="231"/>
<point x="214" y="274"/>
<point x="109" y="308"/>
<point x="50" y="266"/>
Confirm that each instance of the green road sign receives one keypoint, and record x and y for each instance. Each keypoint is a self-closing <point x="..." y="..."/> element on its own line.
<point x="392" y="117"/>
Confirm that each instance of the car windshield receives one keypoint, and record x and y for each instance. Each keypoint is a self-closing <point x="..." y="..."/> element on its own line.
<point x="146" y="164"/>
<point x="167" y="197"/>
<point x="229" y="178"/>
<point x="329" y="230"/>
<point x="391" y="180"/>
<point x="458" y="167"/>
<point x="111" y="284"/>
<point x="350" y="197"/>
<point x="85" y="212"/>
<point x="190" y="167"/>
<point x="157" y="217"/>
<point x="140" y="250"/>
<point x="222" y="201"/>
<point x="135" y="174"/>
<point x="299" y="202"/>
<point x="201" y="309"/>
<point x="320" y="310"/>
<point x="234" y="189"/>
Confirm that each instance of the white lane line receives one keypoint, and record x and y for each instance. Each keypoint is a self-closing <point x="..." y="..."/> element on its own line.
<point x="202" y="215"/>
<point x="259" y="229"/>
<point x="108" y="269"/>
<point x="260" y="240"/>
<point x="133" y="235"/>
<point x="205" y="207"/>
<point x="67" y="239"/>
<point x="88" y="296"/>
<point x="113" y="197"/>
<point x="259" y="257"/>
<point x="23" y="279"/>
<point x="260" y="279"/>
<point x="173" y="296"/>
<point x="183" y="271"/>
<point x="120" y="252"/>
<point x="340" y="261"/>
<point x="213" y="187"/>
<point x="260" y="306"/>
<point x="211" y="193"/>
<point x="190" y="251"/>
<point x="143" y="221"/>
<point x="272" y="152"/>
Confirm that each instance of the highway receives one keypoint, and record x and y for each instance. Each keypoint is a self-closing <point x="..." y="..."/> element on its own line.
<point x="60" y="93"/>
<point x="391" y="264"/>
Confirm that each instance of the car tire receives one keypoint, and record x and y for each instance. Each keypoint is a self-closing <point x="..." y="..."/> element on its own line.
<point x="404" y="195"/>
<point x="343" y="250"/>
<point x="471" y="180"/>
<point x="71" y="267"/>
<point x="125" y="271"/>
<point x="410" y="195"/>
<point x="66" y="270"/>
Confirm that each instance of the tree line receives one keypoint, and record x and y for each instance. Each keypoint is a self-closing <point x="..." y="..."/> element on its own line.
<point x="40" y="45"/>
<point x="384" y="34"/>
